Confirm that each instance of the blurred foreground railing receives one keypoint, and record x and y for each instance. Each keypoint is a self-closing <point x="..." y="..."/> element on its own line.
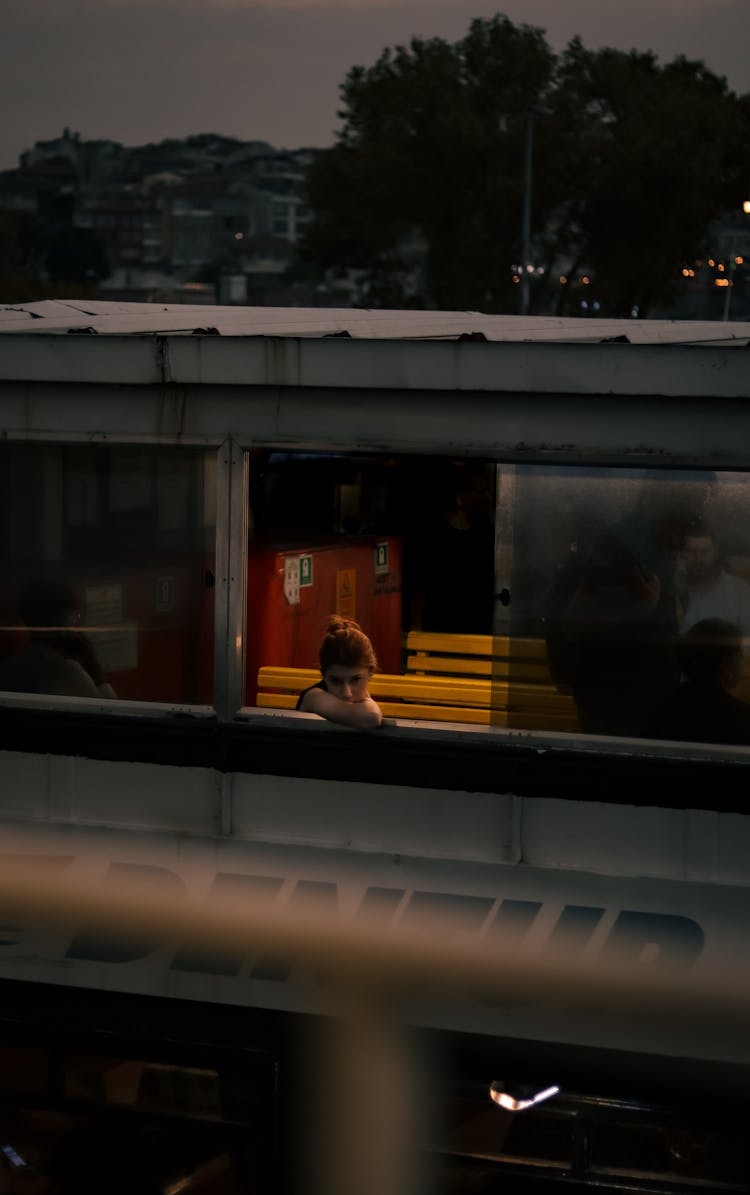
<point x="362" y="1122"/>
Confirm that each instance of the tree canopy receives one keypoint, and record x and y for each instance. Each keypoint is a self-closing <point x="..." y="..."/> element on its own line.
<point x="423" y="190"/>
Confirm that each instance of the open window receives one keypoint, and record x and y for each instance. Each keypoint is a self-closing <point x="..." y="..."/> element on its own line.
<point x="557" y="598"/>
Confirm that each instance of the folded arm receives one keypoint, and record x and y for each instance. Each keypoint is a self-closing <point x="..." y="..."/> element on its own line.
<point x="359" y="715"/>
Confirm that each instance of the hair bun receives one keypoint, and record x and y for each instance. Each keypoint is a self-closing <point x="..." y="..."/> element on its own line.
<point x="344" y="642"/>
<point x="337" y="622"/>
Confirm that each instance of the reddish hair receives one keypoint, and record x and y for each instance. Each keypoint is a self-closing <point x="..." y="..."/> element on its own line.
<point x="345" y="643"/>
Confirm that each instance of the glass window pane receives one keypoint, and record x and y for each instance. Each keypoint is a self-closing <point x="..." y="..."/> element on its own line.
<point x="633" y="587"/>
<point x="108" y="564"/>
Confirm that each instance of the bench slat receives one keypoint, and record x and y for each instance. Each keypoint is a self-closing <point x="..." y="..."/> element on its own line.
<point x="497" y="646"/>
<point x="443" y="689"/>
<point x="530" y="670"/>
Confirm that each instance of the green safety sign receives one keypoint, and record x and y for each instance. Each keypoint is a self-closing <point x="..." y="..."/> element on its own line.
<point x="381" y="557"/>
<point x="305" y="570"/>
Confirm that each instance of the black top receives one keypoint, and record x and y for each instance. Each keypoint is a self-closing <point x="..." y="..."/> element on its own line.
<point x="321" y="684"/>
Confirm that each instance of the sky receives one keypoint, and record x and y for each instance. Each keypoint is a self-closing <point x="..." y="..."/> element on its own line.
<point x="142" y="70"/>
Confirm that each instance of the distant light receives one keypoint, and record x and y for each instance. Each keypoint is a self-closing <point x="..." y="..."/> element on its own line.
<point x="563" y="279"/>
<point x="505" y="1100"/>
<point x="711" y="262"/>
<point x="738" y="261"/>
<point x="540" y="269"/>
<point x="746" y="206"/>
<point x="238" y="236"/>
<point x="585" y="280"/>
<point x="720" y="266"/>
<point x="529" y="269"/>
<point x="516" y="278"/>
<point x="722" y="282"/>
<point x="685" y="273"/>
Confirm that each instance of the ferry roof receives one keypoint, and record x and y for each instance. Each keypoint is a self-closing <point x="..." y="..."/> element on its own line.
<point x="62" y="316"/>
<point x="348" y="350"/>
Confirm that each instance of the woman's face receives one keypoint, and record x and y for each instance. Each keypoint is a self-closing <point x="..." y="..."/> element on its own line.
<point x="349" y="684"/>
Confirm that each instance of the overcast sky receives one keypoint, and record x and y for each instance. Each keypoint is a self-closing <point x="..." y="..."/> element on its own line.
<point x="141" y="70"/>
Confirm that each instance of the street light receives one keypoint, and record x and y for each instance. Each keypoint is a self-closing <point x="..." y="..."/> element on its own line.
<point x="520" y="1098"/>
<point x="528" y="174"/>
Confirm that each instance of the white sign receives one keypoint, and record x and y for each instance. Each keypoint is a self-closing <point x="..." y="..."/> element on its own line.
<point x="291" y="579"/>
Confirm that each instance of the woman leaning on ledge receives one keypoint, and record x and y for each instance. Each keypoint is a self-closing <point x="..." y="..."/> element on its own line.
<point x="347" y="661"/>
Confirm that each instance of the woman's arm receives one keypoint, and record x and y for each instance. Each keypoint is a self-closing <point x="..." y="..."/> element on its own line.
<point x="359" y="715"/>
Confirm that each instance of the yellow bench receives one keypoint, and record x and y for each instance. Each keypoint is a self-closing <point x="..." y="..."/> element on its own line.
<point x="447" y="681"/>
<point x="517" y="668"/>
<point x="499" y="657"/>
<point x="437" y="698"/>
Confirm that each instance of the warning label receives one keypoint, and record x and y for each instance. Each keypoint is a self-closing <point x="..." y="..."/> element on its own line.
<point x="346" y="592"/>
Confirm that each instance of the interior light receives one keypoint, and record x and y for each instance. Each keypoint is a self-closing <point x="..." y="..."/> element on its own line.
<point x="525" y="1097"/>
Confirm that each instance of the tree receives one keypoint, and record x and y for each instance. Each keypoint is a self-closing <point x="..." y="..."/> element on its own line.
<point x="654" y="157"/>
<point x="423" y="190"/>
<point x="427" y="156"/>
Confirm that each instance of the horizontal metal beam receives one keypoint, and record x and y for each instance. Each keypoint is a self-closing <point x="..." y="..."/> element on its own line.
<point x="403" y="365"/>
<point x="535" y="428"/>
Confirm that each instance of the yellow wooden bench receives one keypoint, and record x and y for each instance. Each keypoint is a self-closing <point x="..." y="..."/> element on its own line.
<point x="500" y="657"/>
<point x="518" y="669"/>
<point x="447" y="685"/>
<point x="442" y="698"/>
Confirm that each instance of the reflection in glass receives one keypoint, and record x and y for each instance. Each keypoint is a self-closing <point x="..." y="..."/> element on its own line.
<point x="108" y="555"/>
<point x="610" y="567"/>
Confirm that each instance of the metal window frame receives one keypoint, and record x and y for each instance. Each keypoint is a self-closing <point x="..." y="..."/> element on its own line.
<point x="232" y="521"/>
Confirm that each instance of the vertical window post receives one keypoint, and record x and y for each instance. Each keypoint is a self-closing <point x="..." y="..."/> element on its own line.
<point x="231" y="579"/>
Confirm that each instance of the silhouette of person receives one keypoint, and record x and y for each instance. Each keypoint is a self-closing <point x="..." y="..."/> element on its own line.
<point x="454" y="571"/>
<point x="58" y="659"/>
<point x="704" y="708"/>
<point x="613" y="618"/>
